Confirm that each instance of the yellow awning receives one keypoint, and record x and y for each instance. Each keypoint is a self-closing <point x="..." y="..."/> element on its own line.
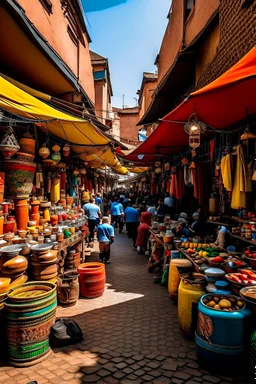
<point x="66" y="127"/>
<point x="137" y="169"/>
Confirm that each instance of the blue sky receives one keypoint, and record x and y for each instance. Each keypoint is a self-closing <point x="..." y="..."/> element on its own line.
<point x="129" y="35"/>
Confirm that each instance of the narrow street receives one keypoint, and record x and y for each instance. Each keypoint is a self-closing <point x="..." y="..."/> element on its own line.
<point x="131" y="335"/>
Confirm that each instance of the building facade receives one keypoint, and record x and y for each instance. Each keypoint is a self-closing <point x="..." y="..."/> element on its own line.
<point x="103" y="88"/>
<point x="202" y="40"/>
<point x="54" y="36"/>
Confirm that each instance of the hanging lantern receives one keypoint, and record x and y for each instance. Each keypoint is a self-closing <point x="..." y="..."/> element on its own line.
<point x="166" y="166"/>
<point x="66" y="151"/>
<point x="44" y="151"/>
<point x="56" y="156"/>
<point x="194" y="129"/>
<point x="9" y="144"/>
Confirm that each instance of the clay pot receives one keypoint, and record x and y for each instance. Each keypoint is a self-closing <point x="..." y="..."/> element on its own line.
<point x="45" y="270"/>
<point x="22" y="216"/>
<point x="16" y="265"/>
<point x="27" y="145"/>
<point x="46" y="257"/>
<point x="44" y="277"/>
<point x="68" y="289"/>
<point x="19" y="177"/>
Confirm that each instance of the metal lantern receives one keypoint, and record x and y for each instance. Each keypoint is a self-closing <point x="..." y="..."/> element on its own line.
<point x="56" y="156"/>
<point x="194" y="129"/>
<point x="9" y="144"/>
<point x="44" y="151"/>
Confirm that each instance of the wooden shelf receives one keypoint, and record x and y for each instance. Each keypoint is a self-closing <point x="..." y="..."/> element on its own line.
<point x="218" y="223"/>
<point x="245" y="221"/>
<point x="243" y="239"/>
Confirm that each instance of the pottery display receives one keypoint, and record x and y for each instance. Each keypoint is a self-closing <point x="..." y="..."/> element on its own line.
<point x="15" y="265"/>
<point x="22" y="216"/>
<point x="68" y="289"/>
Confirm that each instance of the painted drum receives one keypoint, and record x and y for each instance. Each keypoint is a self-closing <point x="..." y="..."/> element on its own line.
<point x="177" y="267"/>
<point x="191" y="289"/>
<point x="221" y="334"/>
<point x="92" y="279"/>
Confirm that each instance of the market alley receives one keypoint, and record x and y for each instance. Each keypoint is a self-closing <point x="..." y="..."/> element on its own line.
<point x="131" y="334"/>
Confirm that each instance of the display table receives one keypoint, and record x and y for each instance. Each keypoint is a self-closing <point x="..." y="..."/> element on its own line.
<point x="76" y="240"/>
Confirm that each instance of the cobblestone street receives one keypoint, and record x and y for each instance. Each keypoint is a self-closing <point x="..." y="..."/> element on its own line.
<point x="131" y="335"/>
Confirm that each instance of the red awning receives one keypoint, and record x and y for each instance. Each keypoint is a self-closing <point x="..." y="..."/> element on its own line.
<point x="221" y="104"/>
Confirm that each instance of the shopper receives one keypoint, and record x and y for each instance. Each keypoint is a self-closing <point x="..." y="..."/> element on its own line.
<point x="143" y="232"/>
<point x="132" y="223"/>
<point x="196" y="227"/>
<point x="169" y="203"/>
<point x="117" y="214"/>
<point x="161" y="208"/>
<point x="93" y="212"/>
<point x="98" y="199"/>
<point x="152" y="208"/>
<point x="106" y="236"/>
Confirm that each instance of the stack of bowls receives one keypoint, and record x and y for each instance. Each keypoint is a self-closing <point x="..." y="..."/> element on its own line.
<point x="44" y="262"/>
<point x="72" y="260"/>
<point x="13" y="265"/>
<point x="30" y="313"/>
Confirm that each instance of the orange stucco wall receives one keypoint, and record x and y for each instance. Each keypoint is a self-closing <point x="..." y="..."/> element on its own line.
<point x="172" y="41"/>
<point x="54" y="28"/>
<point x="128" y="128"/>
<point x="146" y="97"/>
<point x="199" y="17"/>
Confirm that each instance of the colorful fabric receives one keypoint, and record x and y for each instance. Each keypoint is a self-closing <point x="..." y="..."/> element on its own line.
<point x="226" y="172"/>
<point x="240" y="183"/>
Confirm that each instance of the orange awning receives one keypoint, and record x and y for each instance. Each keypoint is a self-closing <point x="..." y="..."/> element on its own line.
<point x="221" y="104"/>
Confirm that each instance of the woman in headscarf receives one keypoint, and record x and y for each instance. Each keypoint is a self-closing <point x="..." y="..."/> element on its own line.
<point x="143" y="232"/>
<point x="196" y="226"/>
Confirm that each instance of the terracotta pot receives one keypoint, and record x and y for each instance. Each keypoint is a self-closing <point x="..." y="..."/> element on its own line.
<point x="9" y="226"/>
<point x="44" y="277"/>
<point x="27" y="145"/>
<point x="22" y="216"/>
<point x="19" y="177"/>
<point x="35" y="217"/>
<point x="68" y="289"/>
<point x="45" y="270"/>
<point x="16" y="265"/>
<point x="47" y="257"/>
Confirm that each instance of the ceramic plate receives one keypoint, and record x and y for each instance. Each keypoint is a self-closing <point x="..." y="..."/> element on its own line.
<point x="42" y="247"/>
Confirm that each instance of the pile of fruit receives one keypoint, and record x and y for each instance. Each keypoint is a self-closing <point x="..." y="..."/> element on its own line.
<point x="251" y="254"/>
<point x="194" y="245"/>
<point x="223" y="303"/>
<point x="245" y="277"/>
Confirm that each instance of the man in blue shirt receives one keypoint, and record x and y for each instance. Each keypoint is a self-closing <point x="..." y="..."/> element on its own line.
<point x="117" y="213"/>
<point x="98" y="199"/>
<point x="106" y="238"/>
<point x="93" y="212"/>
<point x="132" y="223"/>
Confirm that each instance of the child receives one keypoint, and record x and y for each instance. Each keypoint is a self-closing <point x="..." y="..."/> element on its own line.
<point x="106" y="236"/>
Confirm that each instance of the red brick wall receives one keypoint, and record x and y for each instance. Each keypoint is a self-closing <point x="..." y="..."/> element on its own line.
<point x="237" y="37"/>
<point x="128" y="128"/>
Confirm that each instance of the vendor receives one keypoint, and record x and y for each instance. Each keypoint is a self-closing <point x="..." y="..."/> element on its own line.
<point x="221" y="240"/>
<point x="196" y="226"/>
<point x="182" y="229"/>
<point x="143" y="232"/>
<point x="161" y="208"/>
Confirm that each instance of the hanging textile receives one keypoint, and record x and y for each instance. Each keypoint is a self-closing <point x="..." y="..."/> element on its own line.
<point x="188" y="177"/>
<point x="63" y="181"/>
<point x="174" y="186"/>
<point x="180" y="183"/>
<point x="55" y="189"/>
<point x="240" y="183"/>
<point x="226" y="172"/>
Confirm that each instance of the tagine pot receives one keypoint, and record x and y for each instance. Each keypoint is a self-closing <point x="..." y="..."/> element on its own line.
<point x="28" y="144"/>
<point x="19" y="177"/>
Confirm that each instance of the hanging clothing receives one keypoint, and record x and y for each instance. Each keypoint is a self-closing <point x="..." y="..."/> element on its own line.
<point x="240" y="183"/>
<point x="174" y="186"/>
<point x="226" y="172"/>
<point x="188" y="177"/>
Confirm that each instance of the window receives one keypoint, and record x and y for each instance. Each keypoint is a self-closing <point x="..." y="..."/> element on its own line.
<point x="189" y="6"/>
<point x="246" y="3"/>
<point x="47" y="4"/>
<point x="73" y="29"/>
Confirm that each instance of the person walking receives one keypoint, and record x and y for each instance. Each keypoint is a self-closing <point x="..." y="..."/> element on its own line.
<point x="106" y="236"/>
<point x="92" y="210"/>
<point x="169" y="202"/>
<point x="131" y="216"/>
<point x="117" y="214"/>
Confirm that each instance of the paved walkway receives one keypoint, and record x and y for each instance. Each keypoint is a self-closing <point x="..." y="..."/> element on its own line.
<point x="132" y="335"/>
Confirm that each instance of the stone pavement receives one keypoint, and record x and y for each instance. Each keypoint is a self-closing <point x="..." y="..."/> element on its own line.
<point x="132" y="335"/>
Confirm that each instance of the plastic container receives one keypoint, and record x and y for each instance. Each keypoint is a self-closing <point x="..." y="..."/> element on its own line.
<point x="175" y="254"/>
<point x="92" y="279"/>
<point x="177" y="267"/>
<point x="221" y="336"/>
<point x="191" y="289"/>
